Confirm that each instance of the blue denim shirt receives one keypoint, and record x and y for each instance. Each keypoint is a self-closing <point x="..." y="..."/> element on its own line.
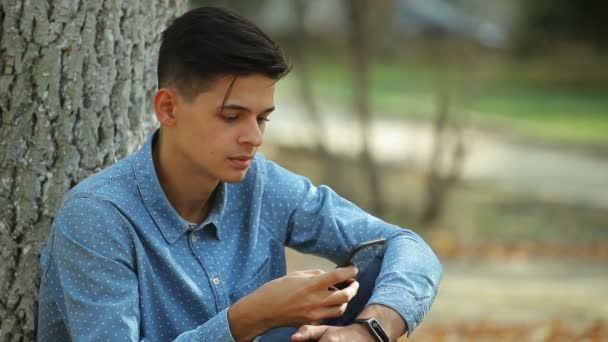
<point x="121" y="264"/>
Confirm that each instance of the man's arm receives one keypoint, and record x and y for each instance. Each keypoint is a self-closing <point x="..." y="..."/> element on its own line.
<point x="409" y="279"/>
<point x="95" y="260"/>
<point x="323" y="223"/>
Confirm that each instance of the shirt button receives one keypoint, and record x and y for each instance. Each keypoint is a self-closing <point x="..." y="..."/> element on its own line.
<point x="194" y="238"/>
<point x="215" y="281"/>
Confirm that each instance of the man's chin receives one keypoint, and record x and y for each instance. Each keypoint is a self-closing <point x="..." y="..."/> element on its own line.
<point x="235" y="177"/>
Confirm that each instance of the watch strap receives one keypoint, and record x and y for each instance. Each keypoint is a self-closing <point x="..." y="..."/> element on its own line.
<point x="375" y="328"/>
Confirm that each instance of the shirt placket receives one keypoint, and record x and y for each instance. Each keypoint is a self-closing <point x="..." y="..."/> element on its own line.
<point x="216" y="281"/>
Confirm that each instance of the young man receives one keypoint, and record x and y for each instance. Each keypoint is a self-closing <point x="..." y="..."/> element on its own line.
<point x="184" y="239"/>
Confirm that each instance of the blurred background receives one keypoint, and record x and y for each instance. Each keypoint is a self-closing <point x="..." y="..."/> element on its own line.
<point x="482" y="125"/>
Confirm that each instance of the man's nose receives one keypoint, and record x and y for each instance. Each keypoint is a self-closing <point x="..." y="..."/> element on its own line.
<point x="253" y="134"/>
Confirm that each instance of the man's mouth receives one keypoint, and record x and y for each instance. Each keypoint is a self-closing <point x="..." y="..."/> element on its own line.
<point x="241" y="162"/>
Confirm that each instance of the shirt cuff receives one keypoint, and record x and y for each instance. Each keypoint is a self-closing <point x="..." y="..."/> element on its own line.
<point x="215" y="329"/>
<point x="400" y="301"/>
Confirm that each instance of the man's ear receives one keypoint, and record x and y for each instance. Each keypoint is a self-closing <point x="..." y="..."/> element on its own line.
<point x="165" y="101"/>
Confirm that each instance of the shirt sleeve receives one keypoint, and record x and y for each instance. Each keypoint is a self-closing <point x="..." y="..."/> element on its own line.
<point x="96" y="265"/>
<point x="323" y="223"/>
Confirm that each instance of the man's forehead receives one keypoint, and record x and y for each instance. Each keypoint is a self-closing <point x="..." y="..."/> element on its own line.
<point x="254" y="92"/>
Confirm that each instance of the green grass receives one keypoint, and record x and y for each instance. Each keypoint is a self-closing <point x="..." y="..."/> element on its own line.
<point x="538" y="101"/>
<point x="568" y="114"/>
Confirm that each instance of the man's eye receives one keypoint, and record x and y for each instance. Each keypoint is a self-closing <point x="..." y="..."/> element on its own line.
<point x="263" y="119"/>
<point x="230" y="118"/>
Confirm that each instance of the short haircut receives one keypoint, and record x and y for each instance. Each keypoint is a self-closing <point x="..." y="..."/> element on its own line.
<point x="208" y="42"/>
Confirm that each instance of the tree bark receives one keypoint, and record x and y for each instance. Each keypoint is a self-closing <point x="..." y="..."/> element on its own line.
<point x="76" y="83"/>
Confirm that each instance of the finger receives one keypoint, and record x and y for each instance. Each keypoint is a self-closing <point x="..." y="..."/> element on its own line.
<point x="329" y="311"/>
<point x="341" y="285"/>
<point x="309" y="332"/>
<point x="337" y="275"/>
<point x="353" y="287"/>
<point x="342" y="296"/>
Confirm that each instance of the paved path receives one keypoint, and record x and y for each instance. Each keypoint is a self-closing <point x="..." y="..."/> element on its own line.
<point x="517" y="291"/>
<point x="526" y="291"/>
<point x="551" y="173"/>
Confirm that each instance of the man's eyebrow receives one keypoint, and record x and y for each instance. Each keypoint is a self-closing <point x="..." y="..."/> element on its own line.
<point x="245" y="109"/>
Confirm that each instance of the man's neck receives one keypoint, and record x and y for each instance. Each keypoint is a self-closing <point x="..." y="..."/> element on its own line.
<point x="189" y="193"/>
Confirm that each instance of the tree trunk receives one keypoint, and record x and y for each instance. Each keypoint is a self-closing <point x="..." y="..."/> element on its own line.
<point x="303" y="73"/>
<point x="360" y="48"/>
<point x="446" y="163"/>
<point x="76" y="84"/>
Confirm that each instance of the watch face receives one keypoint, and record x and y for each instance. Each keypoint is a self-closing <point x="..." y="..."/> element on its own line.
<point x="375" y="328"/>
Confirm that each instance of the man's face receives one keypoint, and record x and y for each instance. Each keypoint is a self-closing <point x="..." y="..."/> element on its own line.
<point x="218" y="139"/>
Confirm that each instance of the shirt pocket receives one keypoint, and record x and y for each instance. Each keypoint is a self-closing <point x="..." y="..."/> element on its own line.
<point x="259" y="278"/>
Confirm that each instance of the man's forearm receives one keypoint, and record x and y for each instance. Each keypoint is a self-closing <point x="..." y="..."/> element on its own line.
<point x="394" y="325"/>
<point x="244" y="324"/>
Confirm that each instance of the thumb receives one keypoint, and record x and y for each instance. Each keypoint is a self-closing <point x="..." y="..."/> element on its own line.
<point x="309" y="332"/>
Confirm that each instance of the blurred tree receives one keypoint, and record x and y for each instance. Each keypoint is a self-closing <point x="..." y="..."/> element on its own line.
<point x="563" y="20"/>
<point x="303" y="73"/>
<point x="449" y="148"/>
<point x="446" y="162"/>
<point x="75" y="95"/>
<point x="359" y="41"/>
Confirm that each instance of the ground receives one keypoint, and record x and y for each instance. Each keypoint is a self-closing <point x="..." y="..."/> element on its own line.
<point x="497" y="299"/>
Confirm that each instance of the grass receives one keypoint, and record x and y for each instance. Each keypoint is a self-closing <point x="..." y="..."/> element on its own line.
<point x="536" y="100"/>
<point x="577" y="115"/>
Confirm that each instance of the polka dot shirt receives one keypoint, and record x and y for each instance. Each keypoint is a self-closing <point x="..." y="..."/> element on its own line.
<point x="122" y="265"/>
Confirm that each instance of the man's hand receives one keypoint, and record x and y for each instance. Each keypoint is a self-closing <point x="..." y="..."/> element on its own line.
<point x="296" y="299"/>
<point x="392" y="322"/>
<point x="326" y="333"/>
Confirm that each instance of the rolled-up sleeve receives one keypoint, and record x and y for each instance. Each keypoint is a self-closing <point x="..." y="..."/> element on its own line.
<point x="409" y="279"/>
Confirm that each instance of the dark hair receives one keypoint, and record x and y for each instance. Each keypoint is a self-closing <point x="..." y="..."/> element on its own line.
<point x="208" y="42"/>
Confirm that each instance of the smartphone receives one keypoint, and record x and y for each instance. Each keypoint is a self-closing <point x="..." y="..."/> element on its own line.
<point x="361" y="255"/>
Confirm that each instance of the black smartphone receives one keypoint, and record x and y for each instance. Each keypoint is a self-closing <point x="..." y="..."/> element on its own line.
<point x="361" y="255"/>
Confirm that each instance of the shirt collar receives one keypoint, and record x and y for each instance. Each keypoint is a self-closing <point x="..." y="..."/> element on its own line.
<point x="168" y="221"/>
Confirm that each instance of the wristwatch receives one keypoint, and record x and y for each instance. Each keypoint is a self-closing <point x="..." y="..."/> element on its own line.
<point x="375" y="328"/>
